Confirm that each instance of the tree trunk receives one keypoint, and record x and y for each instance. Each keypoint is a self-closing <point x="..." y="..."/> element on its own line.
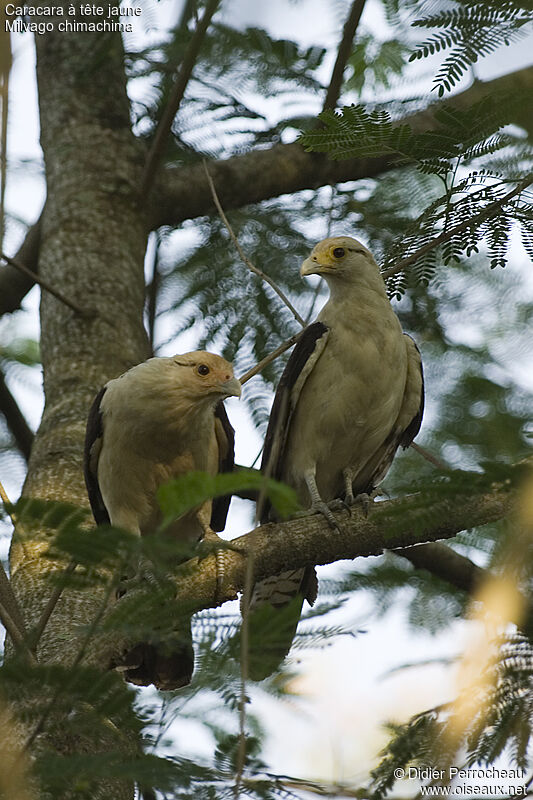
<point x="93" y="241"/>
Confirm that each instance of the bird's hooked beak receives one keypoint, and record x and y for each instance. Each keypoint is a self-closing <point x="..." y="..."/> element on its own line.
<point x="313" y="265"/>
<point x="231" y="387"/>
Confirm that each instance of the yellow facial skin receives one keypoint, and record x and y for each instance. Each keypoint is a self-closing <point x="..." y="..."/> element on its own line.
<point x="332" y="255"/>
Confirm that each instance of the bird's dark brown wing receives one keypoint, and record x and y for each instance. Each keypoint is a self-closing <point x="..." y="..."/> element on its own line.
<point x="226" y="462"/>
<point x="302" y="359"/>
<point x="93" y="444"/>
<point x="414" y="426"/>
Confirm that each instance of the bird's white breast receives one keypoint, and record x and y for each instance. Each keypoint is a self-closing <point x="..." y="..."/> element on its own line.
<point x="350" y="400"/>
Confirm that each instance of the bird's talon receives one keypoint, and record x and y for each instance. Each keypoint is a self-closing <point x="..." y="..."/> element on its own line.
<point x="365" y="500"/>
<point x="140" y="572"/>
<point x="336" y="505"/>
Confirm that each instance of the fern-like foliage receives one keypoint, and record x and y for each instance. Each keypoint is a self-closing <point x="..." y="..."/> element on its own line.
<point x="474" y="207"/>
<point x="233" y="69"/>
<point x="431" y="604"/>
<point x="356" y="132"/>
<point x="502" y="720"/>
<point x="231" y="305"/>
<point x="470" y="29"/>
<point x="376" y="65"/>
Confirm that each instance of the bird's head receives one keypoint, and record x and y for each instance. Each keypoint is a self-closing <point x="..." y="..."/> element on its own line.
<point x="206" y="375"/>
<point x="342" y="259"/>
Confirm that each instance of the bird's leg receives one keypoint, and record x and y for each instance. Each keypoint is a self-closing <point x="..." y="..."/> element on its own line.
<point x="221" y="553"/>
<point x="138" y="569"/>
<point x="364" y="499"/>
<point x="318" y="506"/>
<point x="348" y="476"/>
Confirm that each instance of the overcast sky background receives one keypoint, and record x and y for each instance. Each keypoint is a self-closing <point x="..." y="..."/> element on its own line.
<point x="332" y="730"/>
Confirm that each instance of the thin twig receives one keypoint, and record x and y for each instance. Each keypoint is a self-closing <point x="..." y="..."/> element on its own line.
<point x="10" y="612"/>
<point x="7" y="504"/>
<point x="10" y="602"/>
<point x="343" y="53"/>
<point x="245" y="612"/>
<point x="38" y="631"/>
<point x="435" y="460"/>
<point x="178" y="90"/>
<point x="83" y="312"/>
<point x="245" y="259"/>
<point x="16" y="635"/>
<point x="487" y="212"/>
<point x="318" y="287"/>
<point x="269" y="358"/>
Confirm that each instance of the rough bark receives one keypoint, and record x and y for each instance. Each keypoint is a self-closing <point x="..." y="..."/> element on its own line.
<point x="93" y="240"/>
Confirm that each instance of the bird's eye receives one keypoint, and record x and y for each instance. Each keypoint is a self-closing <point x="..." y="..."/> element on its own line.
<point x="339" y="252"/>
<point x="203" y="369"/>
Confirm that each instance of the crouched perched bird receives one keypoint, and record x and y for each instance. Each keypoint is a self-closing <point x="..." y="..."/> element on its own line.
<point x="352" y="392"/>
<point x="157" y="421"/>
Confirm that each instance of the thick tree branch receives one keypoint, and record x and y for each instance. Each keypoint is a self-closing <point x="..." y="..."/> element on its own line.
<point x="16" y="422"/>
<point x="184" y="193"/>
<point x="14" y="284"/>
<point x="434" y="557"/>
<point x="343" y="53"/>
<point x="310" y="540"/>
<point x="445" y="563"/>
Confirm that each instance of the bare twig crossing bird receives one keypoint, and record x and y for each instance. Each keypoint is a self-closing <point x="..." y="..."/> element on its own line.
<point x="160" y="420"/>
<point x="351" y="394"/>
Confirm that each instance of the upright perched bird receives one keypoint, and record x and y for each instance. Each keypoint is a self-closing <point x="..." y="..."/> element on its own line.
<point x="352" y="392"/>
<point x="157" y="421"/>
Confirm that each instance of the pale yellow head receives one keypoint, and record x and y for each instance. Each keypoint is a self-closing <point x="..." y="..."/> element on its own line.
<point x="200" y="377"/>
<point x="206" y="374"/>
<point x="338" y="255"/>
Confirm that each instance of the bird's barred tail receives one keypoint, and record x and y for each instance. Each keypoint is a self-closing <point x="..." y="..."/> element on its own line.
<point x="274" y="613"/>
<point x="168" y="664"/>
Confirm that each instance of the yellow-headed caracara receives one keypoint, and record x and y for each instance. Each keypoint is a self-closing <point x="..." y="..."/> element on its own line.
<point x="352" y="392"/>
<point x="161" y="419"/>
